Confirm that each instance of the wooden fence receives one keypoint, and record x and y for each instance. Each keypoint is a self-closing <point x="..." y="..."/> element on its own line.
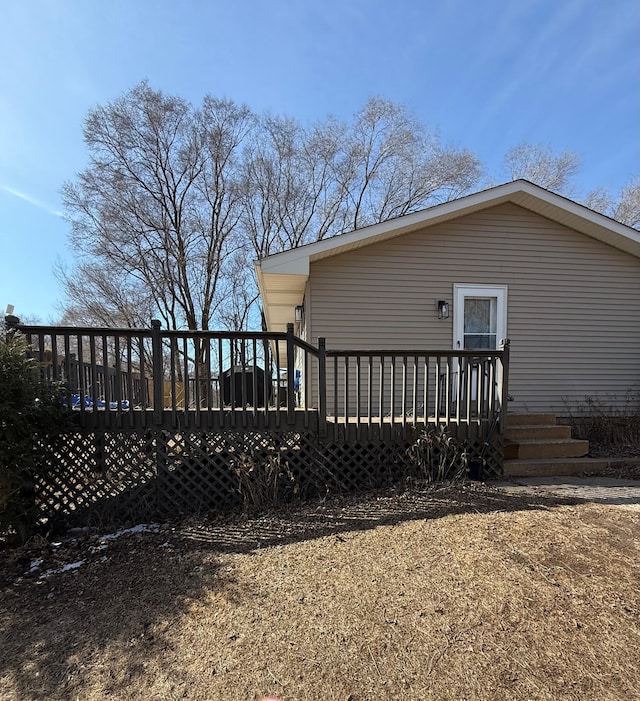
<point x="171" y="421"/>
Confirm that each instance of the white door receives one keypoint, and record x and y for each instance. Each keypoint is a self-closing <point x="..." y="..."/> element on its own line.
<point x="479" y="323"/>
<point x="479" y="316"/>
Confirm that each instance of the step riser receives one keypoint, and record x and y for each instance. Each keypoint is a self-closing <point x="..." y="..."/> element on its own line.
<point x="557" y="469"/>
<point x="530" y="419"/>
<point x="540" y="451"/>
<point x="560" y="468"/>
<point x="516" y="433"/>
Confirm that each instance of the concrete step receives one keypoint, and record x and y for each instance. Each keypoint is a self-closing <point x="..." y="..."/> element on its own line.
<point x="545" y="448"/>
<point x="551" y="467"/>
<point x="530" y="419"/>
<point x="537" y="431"/>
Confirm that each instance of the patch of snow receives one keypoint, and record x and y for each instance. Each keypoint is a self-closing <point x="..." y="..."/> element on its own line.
<point x="140" y="528"/>
<point x="65" y="568"/>
<point x="35" y="564"/>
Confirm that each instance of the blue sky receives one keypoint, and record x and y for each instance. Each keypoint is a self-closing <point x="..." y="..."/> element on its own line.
<point x="487" y="74"/>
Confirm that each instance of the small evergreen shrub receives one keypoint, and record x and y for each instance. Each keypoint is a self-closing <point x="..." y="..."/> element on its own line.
<point x="32" y="417"/>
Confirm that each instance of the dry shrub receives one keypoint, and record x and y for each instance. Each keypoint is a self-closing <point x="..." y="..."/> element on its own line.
<point x="607" y="422"/>
<point x="439" y="456"/>
<point x="265" y="480"/>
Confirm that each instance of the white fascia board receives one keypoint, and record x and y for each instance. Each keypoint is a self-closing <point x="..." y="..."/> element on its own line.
<point x="294" y="262"/>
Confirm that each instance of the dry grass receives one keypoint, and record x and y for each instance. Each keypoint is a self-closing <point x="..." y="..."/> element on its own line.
<point x="448" y="593"/>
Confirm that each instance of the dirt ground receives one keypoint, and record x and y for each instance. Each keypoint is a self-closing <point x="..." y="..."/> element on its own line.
<point x="430" y="593"/>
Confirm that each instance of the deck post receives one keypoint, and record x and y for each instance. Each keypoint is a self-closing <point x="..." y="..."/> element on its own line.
<point x="290" y="376"/>
<point x="322" y="387"/>
<point x="158" y="384"/>
<point x="505" y="347"/>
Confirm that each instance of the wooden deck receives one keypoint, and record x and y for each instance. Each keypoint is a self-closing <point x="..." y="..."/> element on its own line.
<point x="174" y="422"/>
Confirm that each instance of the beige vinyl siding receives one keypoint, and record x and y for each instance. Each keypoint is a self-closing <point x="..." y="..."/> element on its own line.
<point x="573" y="313"/>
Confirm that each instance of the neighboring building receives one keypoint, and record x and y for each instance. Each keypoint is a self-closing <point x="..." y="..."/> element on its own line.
<point x="561" y="281"/>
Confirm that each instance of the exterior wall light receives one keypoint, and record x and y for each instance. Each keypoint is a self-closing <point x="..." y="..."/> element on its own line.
<point x="443" y="309"/>
<point x="299" y="313"/>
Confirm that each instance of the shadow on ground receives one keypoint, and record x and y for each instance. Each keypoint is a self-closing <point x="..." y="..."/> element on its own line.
<point x="128" y="593"/>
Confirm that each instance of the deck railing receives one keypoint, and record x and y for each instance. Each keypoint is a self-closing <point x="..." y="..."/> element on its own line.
<point x="211" y="379"/>
<point x="418" y="387"/>
<point x="147" y="377"/>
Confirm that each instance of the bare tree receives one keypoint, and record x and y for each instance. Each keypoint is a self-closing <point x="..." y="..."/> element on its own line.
<point x="392" y="165"/>
<point x="175" y="199"/>
<point x="292" y="195"/>
<point x="156" y="206"/>
<point x="96" y="295"/>
<point x="305" y="184"/>
<point x="241" y="294"/>
<point x="624" y="208"/>
<point x="541" y="165"/>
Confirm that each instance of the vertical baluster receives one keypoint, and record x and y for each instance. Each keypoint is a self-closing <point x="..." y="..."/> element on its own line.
<point x="267" y="381"/>
<point x="426" y="389"/>
<point x="335" y="388"/>
<point x="460" y="396"/>
<point x="157" y="371"/>
<point x="358" y="403"/>
<point x="144" y="389"/>
<point x="469" y="395"/>
<point x="243" y="382"/>
<point x="118" y="379"/>
<point x="322" y="387"/>
<point x="221" y="396"/>
<point x="174" y="365"/>
<point x="82" y="387"/>
<point x="504" y="382"/>
<point x="290" y="375"/>
<point x="305" y="382"/>
<point x="438" y="390"/>
<point x="404" y="391"/>
<point x="346" y="388"/>
<point x="393" y="389"/>
<point x="276" y="346"/>
<point x="414" y="392"/>
<point x="370" y="391"/>
<point x="208" y="400"/>
<point x="196" y="389"/>
<point x="381" y="397"/>
<point x="254" y="379"/>
<point x="130" y="381"/>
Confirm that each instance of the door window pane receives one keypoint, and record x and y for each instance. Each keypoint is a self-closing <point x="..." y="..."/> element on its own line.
<point x="480" y="322"/>
<point x="479" y="341"/>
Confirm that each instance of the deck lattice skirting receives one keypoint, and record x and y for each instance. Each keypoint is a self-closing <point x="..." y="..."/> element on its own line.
<point x="172" y="422"/>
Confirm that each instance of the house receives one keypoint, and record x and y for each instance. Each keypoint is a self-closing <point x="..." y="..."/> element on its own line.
<point x="516" y="261"/>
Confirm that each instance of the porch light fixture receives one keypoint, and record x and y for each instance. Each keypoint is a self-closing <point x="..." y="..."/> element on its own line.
<point x="299" y="313"/>
<point x="443" y="309"/>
